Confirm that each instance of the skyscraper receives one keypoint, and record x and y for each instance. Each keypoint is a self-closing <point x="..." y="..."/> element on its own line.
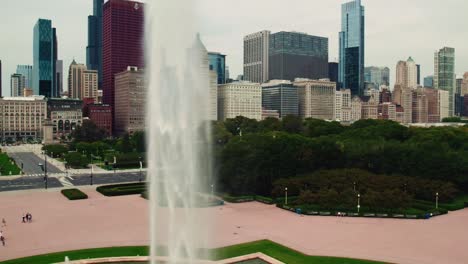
<point x="351" y="46"/>
<point x="123" y="23"/>
<point x="59" y="77"/>
<point x="444" y="74"/>
<point x="282" y="96"/>
<point x="94" y="48"/>
<point x="75" y="80"/>
<point x="26" y="71"/>
<point x="256" y="53"/>
<point x="17" y="82"/>
<point x="297" y="55"/>
<point x="333" y="72"/>
<point x="407" y="74"/>
<point x="44" y="58"/>
<point x="418" y="67"/>
<point x="217" y="63"/>
<point x="377" y="76"/>
<point x="429" y="81"/>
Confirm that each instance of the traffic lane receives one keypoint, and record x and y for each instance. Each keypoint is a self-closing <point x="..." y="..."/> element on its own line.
<point x="28" y="183"/>
<point x="85" y="179"/>
<point x="31" y="161"/>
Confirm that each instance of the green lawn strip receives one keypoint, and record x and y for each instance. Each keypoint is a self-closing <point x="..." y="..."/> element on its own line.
<point x="280" y="253"/>
<point x="6" y="166"/>
<point x="82" y="254"/>
<point x="266" y="247"/>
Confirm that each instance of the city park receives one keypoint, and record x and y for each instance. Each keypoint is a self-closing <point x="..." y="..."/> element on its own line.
<point x="358" y="192"/>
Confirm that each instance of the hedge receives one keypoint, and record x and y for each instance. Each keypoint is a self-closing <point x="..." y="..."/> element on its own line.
<point x="74" y="194"/>
<point x="122" y="189"/>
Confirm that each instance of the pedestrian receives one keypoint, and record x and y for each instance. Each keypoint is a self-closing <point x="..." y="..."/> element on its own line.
<point x="2" y="238"/>
<point x="24" y="218"/>
<point x="3" y="222"/>
<point x="30" y="218"/>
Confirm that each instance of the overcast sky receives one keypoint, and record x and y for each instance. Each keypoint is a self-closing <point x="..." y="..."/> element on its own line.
<point x="395" y="29"/>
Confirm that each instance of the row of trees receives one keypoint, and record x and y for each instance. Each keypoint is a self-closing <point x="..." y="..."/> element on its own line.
<point x="271" y="149"/>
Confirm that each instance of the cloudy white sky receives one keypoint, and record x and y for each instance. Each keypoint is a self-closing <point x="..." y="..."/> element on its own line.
<point x="395" y="29"/>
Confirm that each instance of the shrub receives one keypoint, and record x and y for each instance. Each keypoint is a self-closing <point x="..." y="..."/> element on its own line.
<point x="238" y="199"/>
<point x="57" y="150"/>
<point x="74" y="194"/>
<point x="8" y="165"/>
<point x="76" y="160"/>
<point x="122" y="189"/>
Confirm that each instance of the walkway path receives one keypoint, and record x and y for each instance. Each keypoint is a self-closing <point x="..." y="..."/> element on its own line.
<point x="100" y="221"/>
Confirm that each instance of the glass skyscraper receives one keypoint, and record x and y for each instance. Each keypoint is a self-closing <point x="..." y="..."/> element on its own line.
<point x="351" y="47"/>
<point x="297" y="55"/>
<point x="26" y="71"/>
<point x="94" y="48"/>
<point x="218" y="64"/>
<point x="444" y="74"/>
<point x="44" y="59"/>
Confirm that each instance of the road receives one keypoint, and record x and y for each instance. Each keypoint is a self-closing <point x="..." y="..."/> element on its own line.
<point x="30" y="163"/>
<point x="61" y="180"/>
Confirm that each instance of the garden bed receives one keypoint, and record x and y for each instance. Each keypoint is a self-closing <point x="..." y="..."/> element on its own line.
<point x="122" y="189"/>
<point x="74" y="194"/>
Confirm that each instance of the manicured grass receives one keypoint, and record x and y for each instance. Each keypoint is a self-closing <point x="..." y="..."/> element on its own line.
<point x="74" y="194"/>
<point x="6" y="166"/>
<point x="281" y="253"/>
<point x="82" y="254"/>
<point x="266" y="247"/>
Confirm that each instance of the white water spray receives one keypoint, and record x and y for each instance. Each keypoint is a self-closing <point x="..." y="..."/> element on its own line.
<point x="178" y="132"/>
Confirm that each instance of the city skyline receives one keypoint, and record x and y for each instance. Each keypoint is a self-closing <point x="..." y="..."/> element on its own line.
<point x="221" y="34"/>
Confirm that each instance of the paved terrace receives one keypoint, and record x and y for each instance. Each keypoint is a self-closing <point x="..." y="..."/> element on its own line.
<point x="59" y="225"/>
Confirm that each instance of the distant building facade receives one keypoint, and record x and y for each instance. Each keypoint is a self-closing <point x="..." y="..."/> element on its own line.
<point x="377" y="76"/>
<point x="65" y="114"/>
<point x="27" y="72"/>
<point x="333" y="68"/>
<point x="22" y="117"/>
<point x="130" y="101"/>
<point x="94" y="48"/>
<point x="280" y="96"/>
<point x="351" y="47"/>
<point x="316" y="98"/>
<point x="240" y="99"/>
<point x="444" y="75"/>
<point x="429" y="81"/>
<point x="297" y="55"/>
<point x="256" y="55"/>
<point x="17" y="85"/>
<point x="217" y="63"/>
<point x="44" y="59"/>
<point x="123" y="42"/>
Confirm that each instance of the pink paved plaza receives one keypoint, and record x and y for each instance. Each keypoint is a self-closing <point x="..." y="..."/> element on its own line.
<point x="60" y="225"/>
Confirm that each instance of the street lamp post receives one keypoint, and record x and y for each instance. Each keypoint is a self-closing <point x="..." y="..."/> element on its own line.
<point x="115" y="163"/>
<point x="286" y="195"/>
<point x="437" y="200"/>
<point x="354" y="186"/>
<point x="141" y="168"/>
<point x="358" y="202"/>
<point x="212" y="190"/>
<point x="45" y="170"/>
<point x="91" y="176"/>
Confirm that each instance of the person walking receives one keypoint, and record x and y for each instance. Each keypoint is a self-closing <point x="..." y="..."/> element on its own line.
<point x="2" y="238"/>
<point x="24" y="218"/>
<point x="3" y="222"/>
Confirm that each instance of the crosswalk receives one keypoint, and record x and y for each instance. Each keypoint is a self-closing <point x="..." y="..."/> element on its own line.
<point x="64" y="180"/>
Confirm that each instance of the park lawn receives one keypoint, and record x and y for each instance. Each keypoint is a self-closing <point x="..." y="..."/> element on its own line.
<point x="266" y="247"/>
<point x="6" y="166"/>
<point x="281" y="253"/>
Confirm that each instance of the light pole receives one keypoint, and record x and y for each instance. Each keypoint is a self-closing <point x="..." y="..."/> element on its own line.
<point x="91" y="176"/>
<point x="115" y="163"/>
<point x="354" y="186"/>
<point x="212" y="190"/>
<point x="358" y="202"/>
<point x="66" y="168"/>
<point x="437" y="200"/>
<point x="286" y="195"/>
<point x="141" y="168"/>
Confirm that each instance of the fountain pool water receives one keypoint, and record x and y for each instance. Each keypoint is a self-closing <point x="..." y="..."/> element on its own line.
<point x="179" y="166"/>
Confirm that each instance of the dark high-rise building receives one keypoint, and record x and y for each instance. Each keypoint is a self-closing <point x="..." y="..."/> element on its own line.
<point x="123" y="29"/>
<point x="282" y="96"/>
<point x="44" y="59"/>
<point x="26" y="71"/>
<point x="418" y="80"/>
<point x="351" y="74"/>
<point x="297" y="55"/>
<point x="94" y="48"/>
<point x="333" y="73"/>
<point x="217" y="63"/>
<point x="429" y="81"/>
